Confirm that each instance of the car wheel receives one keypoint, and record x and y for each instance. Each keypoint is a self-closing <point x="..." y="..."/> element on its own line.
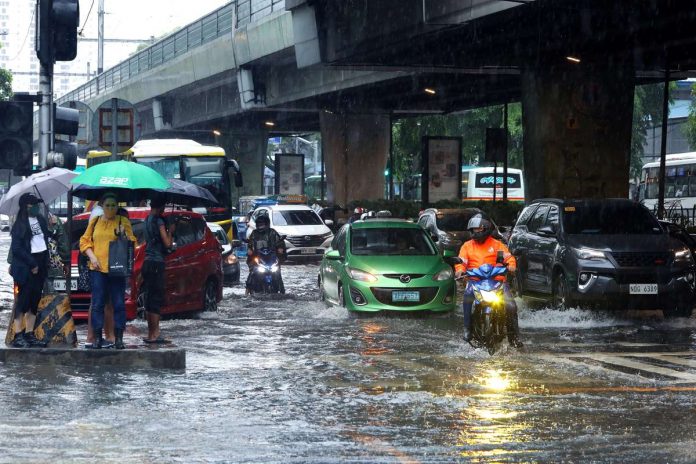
<point x="210" y="296"/>
<point x="560" y="292"/>
<point x="678" y="310"/>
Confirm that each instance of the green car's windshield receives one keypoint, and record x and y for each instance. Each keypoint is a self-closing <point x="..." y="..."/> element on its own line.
<point x="390" y="241"/>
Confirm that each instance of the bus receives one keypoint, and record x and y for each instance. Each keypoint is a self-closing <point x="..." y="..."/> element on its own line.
<point x="680" y="184"/>
<point x="477" y="184"/>
<point x="203" y="165"/>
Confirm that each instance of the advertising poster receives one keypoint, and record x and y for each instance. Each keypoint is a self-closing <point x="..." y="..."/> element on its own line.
<point x="289" y="174"/>
<point x="442" y="169"/>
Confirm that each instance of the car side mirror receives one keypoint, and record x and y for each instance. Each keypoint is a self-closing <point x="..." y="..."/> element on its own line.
<point x="329" y="222"/>
<point x="546" y="231"/>
<point x="448" y="253"/>
<point x="333" y="255"/>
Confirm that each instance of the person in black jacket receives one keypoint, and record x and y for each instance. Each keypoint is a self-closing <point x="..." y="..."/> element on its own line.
<point x="29" y="267"/>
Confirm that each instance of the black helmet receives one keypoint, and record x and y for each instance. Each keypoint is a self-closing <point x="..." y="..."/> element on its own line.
<point x="263" y="222"/>
<point x="477" y="221"/>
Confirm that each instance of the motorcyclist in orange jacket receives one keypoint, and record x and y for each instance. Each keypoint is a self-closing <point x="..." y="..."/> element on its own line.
<point x="483" y="249"/>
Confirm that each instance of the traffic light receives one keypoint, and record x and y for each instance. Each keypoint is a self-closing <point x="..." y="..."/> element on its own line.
<point x="58" y="21"/>
<point x="64" y="154"/>
<point x="16" y="131"/>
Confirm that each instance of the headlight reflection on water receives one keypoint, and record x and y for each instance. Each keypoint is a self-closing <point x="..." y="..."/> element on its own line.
<point x="490" y="428"/>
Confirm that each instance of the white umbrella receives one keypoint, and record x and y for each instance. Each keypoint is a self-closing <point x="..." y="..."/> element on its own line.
<point x="47" y="185"/>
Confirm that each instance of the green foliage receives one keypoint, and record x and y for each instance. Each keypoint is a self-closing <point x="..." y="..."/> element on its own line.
<point x="690" y="129"/>
<point x="5" y="84"/>
<point x="647" y="112"/>
<point x="503" y="213"/>
<point x="471" y="126"/>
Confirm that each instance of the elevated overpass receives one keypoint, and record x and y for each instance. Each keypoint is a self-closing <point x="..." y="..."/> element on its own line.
<point x="348" y="67"/>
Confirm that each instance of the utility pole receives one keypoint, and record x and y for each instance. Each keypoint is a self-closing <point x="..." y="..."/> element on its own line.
<point x="100" y="38"/>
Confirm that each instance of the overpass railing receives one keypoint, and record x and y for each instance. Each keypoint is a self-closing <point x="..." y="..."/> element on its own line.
<point x="208" y="28"/>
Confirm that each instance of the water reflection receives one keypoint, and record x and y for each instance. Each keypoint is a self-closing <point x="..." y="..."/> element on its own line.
<point x="491" y="426"/>
<point x="372" y="343"/>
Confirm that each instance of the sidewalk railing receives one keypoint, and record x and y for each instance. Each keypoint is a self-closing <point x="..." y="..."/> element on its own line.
<point x="199" y="32"/>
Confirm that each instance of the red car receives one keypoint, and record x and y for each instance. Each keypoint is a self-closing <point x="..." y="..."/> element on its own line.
<point x="193" y="269"/>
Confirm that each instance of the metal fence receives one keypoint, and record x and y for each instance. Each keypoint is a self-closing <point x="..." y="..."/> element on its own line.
<point x="205" y="29"/>
<point x="678" y="214"/>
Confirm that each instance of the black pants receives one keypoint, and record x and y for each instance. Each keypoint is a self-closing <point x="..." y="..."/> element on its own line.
<point x="30" y="293"/>
<point x="153" y="286"/>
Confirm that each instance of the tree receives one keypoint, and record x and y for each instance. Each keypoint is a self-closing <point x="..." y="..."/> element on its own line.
<point x="5" y="84"/>
<point x="690" y="128"/>
<point x="647" y="113"/>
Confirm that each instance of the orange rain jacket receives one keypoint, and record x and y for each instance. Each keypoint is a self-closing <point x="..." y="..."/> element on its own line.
<point x="475" y="254"/>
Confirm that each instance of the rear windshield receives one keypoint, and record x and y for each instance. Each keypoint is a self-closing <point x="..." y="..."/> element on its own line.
<point x="609" y="219"/>
<point x="452" y="222"/>
<point x="390" y="241"/>
<point x="296" y="218"/>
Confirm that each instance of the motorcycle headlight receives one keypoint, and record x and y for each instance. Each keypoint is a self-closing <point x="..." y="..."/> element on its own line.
<point x="683" y="256"/>
<point x="445" y="274"/>
<point x="260" y="269"/>
<point x="275" y="268"/>
<point x="231" y="259"/>
<point x="361" y="276"/>
<point x="589" y="253"/>
<point x="491" y="297"/>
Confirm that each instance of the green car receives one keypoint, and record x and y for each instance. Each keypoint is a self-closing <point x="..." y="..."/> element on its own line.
<point x="387" y="264"/>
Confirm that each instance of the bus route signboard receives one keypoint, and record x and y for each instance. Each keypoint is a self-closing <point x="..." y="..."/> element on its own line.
<point x="116" y="125"/>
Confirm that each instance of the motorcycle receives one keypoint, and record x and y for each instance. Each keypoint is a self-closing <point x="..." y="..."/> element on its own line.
<point x="265" y="273"/>
<point x="488" y="325"/>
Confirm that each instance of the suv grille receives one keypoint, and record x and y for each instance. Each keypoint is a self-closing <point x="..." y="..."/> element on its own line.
<point x="305" y="240"/>
<point x="641" y="259"/>
<point x="384" y="295"/>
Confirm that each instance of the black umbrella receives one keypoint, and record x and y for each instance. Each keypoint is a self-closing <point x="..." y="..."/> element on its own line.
<point x="186" y="193"/>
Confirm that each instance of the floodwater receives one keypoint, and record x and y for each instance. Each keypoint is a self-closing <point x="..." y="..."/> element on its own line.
<point x="292" y="381"/>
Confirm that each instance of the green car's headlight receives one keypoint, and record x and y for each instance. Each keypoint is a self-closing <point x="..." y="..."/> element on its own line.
<point x="445" y="274"/>
<point x="362" y="276"/>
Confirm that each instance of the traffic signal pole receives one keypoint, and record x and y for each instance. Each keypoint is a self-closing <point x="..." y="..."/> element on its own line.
<point x="45" y="116"/>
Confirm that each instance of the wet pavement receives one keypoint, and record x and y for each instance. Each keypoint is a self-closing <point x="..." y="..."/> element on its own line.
<point x="290" y="380"/>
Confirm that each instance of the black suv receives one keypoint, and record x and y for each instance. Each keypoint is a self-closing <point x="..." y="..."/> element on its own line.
<point x="601" y="252"/>
<point x="447" y="227"/>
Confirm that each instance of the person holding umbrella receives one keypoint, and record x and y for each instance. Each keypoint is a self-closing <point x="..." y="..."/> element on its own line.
<point x="94" y="244"/>
<point x="29" y="249"/>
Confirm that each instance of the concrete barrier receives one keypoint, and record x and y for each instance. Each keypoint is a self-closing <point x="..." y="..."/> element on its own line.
<point x="54" y="322"/>
<point x="156" y="357"/>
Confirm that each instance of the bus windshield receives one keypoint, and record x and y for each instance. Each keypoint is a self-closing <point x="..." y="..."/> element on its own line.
<point x="204" y="171"/>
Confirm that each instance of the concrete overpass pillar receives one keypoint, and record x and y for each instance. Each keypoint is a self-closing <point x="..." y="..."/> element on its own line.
<point x="249" y="149"/>
<point x="577" y="129"/>
<point x="356" y="148"/>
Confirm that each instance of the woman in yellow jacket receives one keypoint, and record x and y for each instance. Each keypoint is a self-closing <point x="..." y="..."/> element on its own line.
<point x="94" y="244"/>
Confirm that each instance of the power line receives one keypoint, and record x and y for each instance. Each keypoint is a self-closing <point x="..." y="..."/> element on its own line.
<point x="25" y="36"/>
<point x="85" y="23"/>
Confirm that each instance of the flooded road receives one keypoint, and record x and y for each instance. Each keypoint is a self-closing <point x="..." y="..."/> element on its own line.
<point x="290" y="380"/>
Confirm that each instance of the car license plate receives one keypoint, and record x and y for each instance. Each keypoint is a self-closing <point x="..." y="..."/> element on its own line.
<point x="405" y="296"/>
<point x="59" y="285"/>
<point x="308" y="251"/>
<point x="642" y="289"/>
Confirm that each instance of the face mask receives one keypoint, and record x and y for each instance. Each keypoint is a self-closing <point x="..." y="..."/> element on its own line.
<point x="34" y="210"/>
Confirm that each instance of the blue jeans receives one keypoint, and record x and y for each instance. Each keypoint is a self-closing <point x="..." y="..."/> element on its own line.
<point x="510" y="307"/>
<point x="102" y="284"/>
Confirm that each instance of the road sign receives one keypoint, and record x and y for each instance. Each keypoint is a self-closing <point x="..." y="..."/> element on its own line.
<point x="116" y="125"/>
